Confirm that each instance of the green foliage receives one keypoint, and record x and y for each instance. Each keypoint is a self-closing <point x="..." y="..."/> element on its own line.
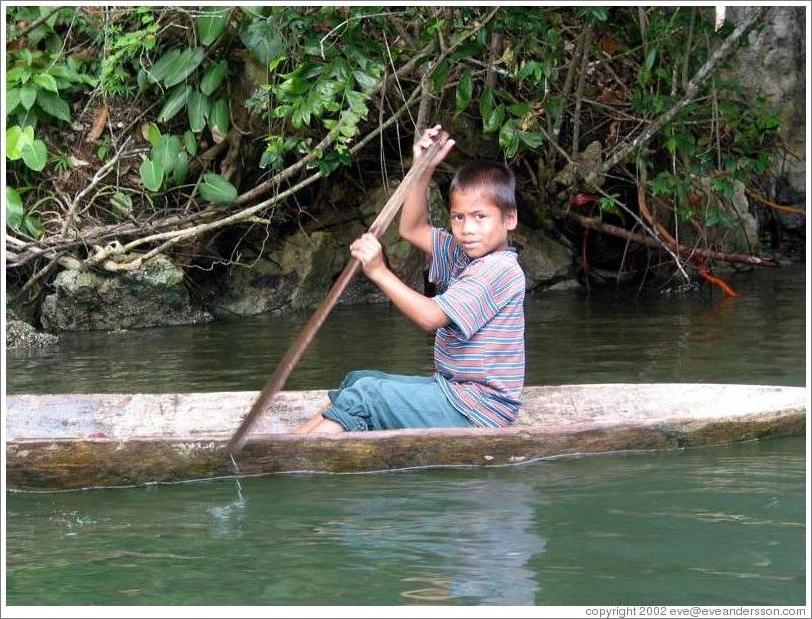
<point x="211" y="25"/>
<point x="509" y="138"/>
<point x="190" y="143"/>
<point x="219" y="119"/>
<point x="61" y="162"/>
<point x="261" y="37"/>
<point x="152" y="174"/>
<point x="174" y="102"/>
<point x="722" y="186"/>
<point x="214" y="77"/>
<point x="166" y="151"/>
<point x="317" y="71"/>
<point x="609" y="204"/>
<point x="21" y="144"/>
<point x="594" y="14"/>
<point x="168" y="163"/>
<point x="718" y="217"/>
<point x="37" y="84"/>
<point x="681" y="142"/>
<point x="215" y="188"/>
<point x="198" y="108"/>
<point x="275" y="149"/>
<point x="124" y="47"/>
<point x="17" y="218"/>
<point x="14" y="208"/>
<point x="183" y="65"/>
<point x="35" y="155"/>
<point x="120" y="205"/>
<point x="465" y="88"/>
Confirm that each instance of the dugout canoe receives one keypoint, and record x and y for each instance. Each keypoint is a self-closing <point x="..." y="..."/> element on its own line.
<point x="80" y="441"/>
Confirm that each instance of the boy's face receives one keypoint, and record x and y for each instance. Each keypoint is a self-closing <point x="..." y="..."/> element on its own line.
<point x="478" y="224"/>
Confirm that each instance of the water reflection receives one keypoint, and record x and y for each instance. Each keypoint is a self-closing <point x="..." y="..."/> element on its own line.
<point x="468" y="540"/>
<point x="707" y="526"/>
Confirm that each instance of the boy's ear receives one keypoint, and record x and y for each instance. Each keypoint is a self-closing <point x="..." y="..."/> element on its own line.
<point x="511" y="219"/>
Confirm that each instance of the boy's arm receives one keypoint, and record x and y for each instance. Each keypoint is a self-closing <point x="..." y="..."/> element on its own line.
<point x="414" y="218"/>
<point x="419" y="309"/>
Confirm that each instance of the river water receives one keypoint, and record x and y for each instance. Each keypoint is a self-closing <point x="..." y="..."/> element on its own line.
<point x="702" y="526"/>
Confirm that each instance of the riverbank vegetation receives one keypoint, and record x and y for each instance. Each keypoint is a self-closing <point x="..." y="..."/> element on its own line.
<point x="138" y="131"/>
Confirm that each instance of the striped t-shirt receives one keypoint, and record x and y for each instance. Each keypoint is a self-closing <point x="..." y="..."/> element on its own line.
<point x="479" y="355"/>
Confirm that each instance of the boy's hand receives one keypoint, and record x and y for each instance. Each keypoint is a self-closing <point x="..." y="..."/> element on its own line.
<point x="367" y="250"/>
<point x="426" y="140"/>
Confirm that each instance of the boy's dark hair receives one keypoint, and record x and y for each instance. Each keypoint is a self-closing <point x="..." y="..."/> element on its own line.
<point x="494" y="179"/>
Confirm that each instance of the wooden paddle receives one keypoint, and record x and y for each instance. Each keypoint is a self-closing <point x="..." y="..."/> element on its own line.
<point x="297" y="349"/>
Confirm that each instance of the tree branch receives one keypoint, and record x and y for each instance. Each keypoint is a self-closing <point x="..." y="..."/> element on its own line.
<point x="687" y="252"/>
<point x="627" y="148"/>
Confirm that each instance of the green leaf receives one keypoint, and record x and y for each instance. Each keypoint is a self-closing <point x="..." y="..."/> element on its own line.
<point x="35" y="155"/>
<point x="682" y="142"/>
<point x="495" y="120"/>
<point x="486" y="103"/>
<point x="608" y="204"/>
<point x="160" y="69"/>
<point x="183" y="66"/>
<point x="12" y="99"/>
<point x="465" y="89"/>
<point x="142" y="79"/>
<point x="357" y="101"/>
<point x="300" y="116"/>
<point x="594" y="14"/>
<point x="215" y="188"/>
<point x="198" y="109"/>
<point x="214" y="77"/>
<point x="650" y="58"/>
<point x="439" y="76"/>
<point x="520" y="109"/>
<point x="153" y="134"/>
<point x="46" y="81"/>
<point x="14" y="208"/>
<point x="531" y="138"/>
<point x="722" y="186"/>
<point x="165" y="152"/>
<point x="364" y="80"/>
<point x="509" y="139"/>
<point x="28" y="96"/>
<point x="18" y="75"/>
<point x="531" y="68"/>
<point x="218" y="120"/>
<point x="31" y="225"/>
<point x="210" y="26"/>
<point x="15" y="140"/>
<point x="180" y="168"/>
<point x="263" y="40"/>
<point x="54" y="106"/>
<point x="174" y="103"/>
<point x="152" y="174"/>
<point x="190" y="143"/>
<point x="120" y="204"/>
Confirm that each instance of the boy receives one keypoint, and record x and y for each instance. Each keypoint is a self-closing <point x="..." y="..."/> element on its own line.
<point x="479" y="318"/>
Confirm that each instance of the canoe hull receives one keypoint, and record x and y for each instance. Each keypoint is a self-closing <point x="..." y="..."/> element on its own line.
<point x="71" y="462"/>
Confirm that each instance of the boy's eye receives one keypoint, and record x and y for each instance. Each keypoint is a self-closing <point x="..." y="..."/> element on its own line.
<point x="481" y="216"/>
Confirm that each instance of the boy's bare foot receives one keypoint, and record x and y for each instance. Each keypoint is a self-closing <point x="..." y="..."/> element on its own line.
<point x="311" y="423"/>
